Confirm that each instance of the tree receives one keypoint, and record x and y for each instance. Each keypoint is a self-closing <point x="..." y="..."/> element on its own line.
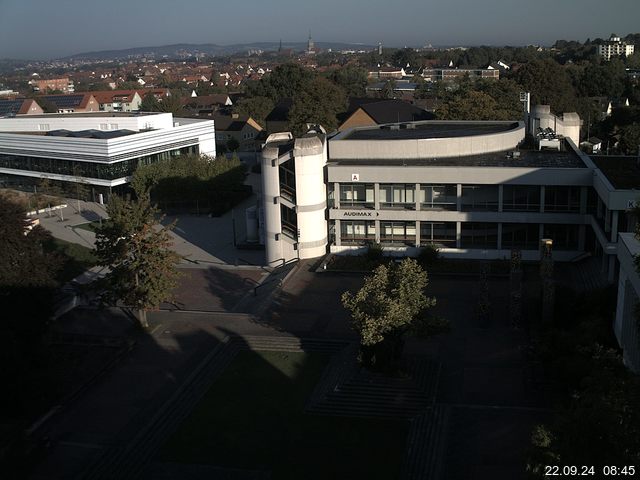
<point x="549" y="84"/>
<point x="319" y="102"/>
<point x="630" y="139"/>
<point x="233" y="145"/>
<point x="388" y="90"/>
<point x="136" y="248"/>
<point x="149" y="103"/>
<point x="255" y="107"/>
<point x="352" y="79"/>
<point x="385" y="309"/>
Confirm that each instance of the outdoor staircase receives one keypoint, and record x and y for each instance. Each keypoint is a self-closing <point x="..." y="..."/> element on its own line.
<point x="426" y="445"/>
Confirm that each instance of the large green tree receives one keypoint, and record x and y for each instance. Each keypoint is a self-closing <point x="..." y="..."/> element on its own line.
<point x="255" y="107"/>
<point x="385" y="309"/>
<point x="318" y="102"/>
<point x="549" y="84"/>
<point x="137" y="250"/>
<point x="352" y="79"/>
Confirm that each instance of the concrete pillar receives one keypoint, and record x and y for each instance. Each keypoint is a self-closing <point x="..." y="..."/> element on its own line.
<point x="607" y="220"/>
<point x="582" y="231"/>
<point x="499" y="236"/>
<point x="614" y="226"/>
<point x="459" y="198"/>
<point x="271" y="205"/>
<point x="458" y="234"/>
<point x="599" y="208"/>
<point x="583" y="200"/>
<point x="612" y="269"/>
<point x="542" y="192"/>
<point x="338" y="230"/>
<point x="377" y="231"/>
<point x="336" y="194"/>
<point x="500" y="197"/>
<point x="417" y="197"/>
<point x="622" y="287"/>
<point x="376" y="196"/>
<point x="417" y="233"/>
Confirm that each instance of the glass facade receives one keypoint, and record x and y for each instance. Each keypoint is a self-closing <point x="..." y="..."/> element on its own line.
<point x="521" y="198"/>
<point x="289" y="222"/>
<point x="287" y="171"/>
<point x="438" y="233"/>
<point x="358" y="195"/>
<point x="480" y="198"/>
<point x="398" y="196"/>
<point x="398" y="233"/>
<point x="438" y="197"/>
<point x="77" y="168"/>
<point x="565" y="237"/>
<point x="562" y="199"/>
<point x="525" y="236"/>
<point x="357" y="232"/>
<point x="479" y="235"/>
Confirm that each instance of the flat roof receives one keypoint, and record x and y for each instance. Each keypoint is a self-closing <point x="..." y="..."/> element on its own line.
<point x="429" y="129"/>
<point x="622" y="172"/>
<point x="527" y="159"/>
<point x="88" y="114"/>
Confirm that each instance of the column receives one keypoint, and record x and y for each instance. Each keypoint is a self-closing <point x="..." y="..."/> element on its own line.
<point x="607" y="220"/>
<point x="542" y="191"/>
<point x="458" y="234"/>
<point x="417" y="233"/>
<point x="612" y="268"/>
<point x="583" y="200"/>
<point x="459" y="198"/>
<point x="338" y="231"/>
<point x="500" y="200"/>
<point x="417" y="198"/>
<point x="582" y="231"/>
<point x="377" y="230"/>
<point x="336" y="195"/>
<point x="614" y="226"/>
<point x="376" y="199"/>
<point x="499" y="236"/>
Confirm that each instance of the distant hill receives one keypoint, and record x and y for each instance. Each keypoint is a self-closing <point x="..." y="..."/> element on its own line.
<point x="182" y="50"/>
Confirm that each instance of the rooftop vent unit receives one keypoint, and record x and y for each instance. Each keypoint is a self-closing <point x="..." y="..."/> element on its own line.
<point x="410" y="126"/>
<point x="394" y="127"/>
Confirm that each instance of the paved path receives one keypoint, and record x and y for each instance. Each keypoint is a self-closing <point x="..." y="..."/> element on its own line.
<point x="483" y="383"/>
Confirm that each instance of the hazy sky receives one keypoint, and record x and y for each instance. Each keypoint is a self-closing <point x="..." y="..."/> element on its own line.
<point x="42" y="29"/>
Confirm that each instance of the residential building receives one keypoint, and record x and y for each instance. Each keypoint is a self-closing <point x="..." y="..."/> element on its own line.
<point x="244" y="129"/>
<point x="450" y="74"/>
<point x="73" y="102"/>
<point x="99" y="149"/>
<point x="118" y="100"/>
<point x="63" y="85"/>
<point x="370" y="111"/>
<point x="19" y="106"/>
<point x="614" y="47"/>
<point x="387" y="73"/>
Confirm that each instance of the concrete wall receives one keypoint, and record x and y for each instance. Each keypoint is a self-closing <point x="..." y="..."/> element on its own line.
<point x="74" y="123"/>
<point x="427" y="147"/>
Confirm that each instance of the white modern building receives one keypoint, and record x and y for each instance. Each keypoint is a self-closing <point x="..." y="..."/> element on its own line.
<point x="614" y="47"/>
<point x="102" y="150"/>
<point x="474" y="189"/>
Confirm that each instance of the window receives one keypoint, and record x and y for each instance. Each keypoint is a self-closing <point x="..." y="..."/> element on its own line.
<point x="521" y="198"/>
<point x="565" y="237"/>
<point x="479" y="235"/>
<point x="43" y="127"/>
<point x="357" y="232"/>
<point x="358" y="195"/>
<point x="562" y="199"/>
<point x="287" y="171"/>
<point x="397" y="196"/>
<point x="438" y="233"/>
<point x="480" y="198"/>
<point x="525" y="236"/>
<point x="289" y="222"/>
<point x="438" y="197"/>
<point x="398" y="233"/>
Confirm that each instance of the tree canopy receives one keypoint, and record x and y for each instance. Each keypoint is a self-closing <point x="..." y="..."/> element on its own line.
<point x="387" y="305"/>
<point x="136" y="249"/>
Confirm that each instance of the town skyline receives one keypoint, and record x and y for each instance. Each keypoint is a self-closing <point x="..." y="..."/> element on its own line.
<point x="494" y="22"/>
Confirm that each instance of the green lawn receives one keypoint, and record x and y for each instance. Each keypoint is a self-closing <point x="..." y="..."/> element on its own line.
<point x="90" y="226"/>
<point x="77" y="258"/>
<point x="252" y="418"/>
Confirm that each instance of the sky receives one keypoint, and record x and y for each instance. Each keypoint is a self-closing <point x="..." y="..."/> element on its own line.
<point x="45" y="29"/>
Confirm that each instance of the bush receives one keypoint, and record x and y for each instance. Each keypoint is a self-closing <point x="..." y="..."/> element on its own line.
<point x="375" y="252"/>
<point x="429" y="255"/>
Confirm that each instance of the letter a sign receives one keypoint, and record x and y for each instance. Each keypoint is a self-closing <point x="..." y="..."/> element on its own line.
<point x="355" y="177"/>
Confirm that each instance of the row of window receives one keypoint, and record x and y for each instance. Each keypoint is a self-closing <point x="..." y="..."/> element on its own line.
<point x="473" y="234"/>
<point x="104" y="171"/>
<point x="515" y="198"/>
